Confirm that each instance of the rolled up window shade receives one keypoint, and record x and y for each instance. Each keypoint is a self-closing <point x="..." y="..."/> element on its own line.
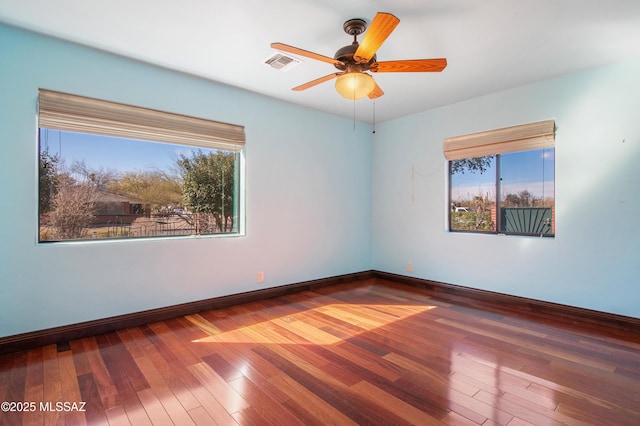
<point x="510" y="139"/>
<point x="63" y="111"/>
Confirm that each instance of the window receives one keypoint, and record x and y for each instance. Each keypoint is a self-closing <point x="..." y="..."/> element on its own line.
<point x="502" y="181"/>
<point x="110" y="171"/>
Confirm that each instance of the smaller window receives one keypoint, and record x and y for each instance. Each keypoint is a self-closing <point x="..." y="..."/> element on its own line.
<point x="509" y="187"/>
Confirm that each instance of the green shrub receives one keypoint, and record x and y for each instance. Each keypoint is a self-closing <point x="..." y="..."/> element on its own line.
<point x="471" y="221"/>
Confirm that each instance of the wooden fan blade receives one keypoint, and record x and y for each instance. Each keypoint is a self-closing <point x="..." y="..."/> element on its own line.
<point x="376" y="92"/>
<point x="411" y="65"/>
<point x="317" y="81"/>
<point x="381" y="26"/>
<point x="306" y="53"/>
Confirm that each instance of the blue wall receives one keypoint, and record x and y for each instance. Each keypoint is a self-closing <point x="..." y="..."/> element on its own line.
<point x="307" y="195"/>
<point x="594" y="260"/>
<point x="323" y="199"/>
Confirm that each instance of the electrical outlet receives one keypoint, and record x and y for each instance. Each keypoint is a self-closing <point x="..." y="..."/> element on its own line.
<point x="260" y="277"/>
<point x="409" y="267"/>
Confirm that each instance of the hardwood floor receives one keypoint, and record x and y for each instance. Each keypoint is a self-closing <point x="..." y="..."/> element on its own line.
<point x="373" y="352"/>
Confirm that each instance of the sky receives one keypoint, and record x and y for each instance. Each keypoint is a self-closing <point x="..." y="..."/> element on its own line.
<point x="527" y="170"/>
<point x="112" y="153"/>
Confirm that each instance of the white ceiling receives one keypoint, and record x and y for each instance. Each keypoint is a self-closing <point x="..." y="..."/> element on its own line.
<point x="490" y="45"/>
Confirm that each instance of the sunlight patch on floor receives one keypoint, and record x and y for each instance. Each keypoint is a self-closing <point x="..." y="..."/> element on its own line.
<point x="302" y="324"/>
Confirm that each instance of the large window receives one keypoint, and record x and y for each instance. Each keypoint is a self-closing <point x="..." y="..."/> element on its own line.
<point x="502" y="181"/>
<point x="110" y="171"/>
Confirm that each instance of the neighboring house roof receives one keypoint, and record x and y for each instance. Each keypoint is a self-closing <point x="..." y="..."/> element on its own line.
<point x="109" y="197"/>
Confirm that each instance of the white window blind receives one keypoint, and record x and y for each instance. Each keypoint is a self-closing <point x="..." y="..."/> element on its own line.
<point x="510" y="139"/>
<point x="63" y="111"/>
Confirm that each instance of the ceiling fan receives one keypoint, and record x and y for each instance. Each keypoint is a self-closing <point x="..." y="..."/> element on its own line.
<point x="353" y="61"/>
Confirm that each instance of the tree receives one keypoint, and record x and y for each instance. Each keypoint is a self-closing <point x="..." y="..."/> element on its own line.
<point x="511" y="200"/>
<point x="472" y="165"/>
<point x="73" y="208"/>
<point x="48" y="180"/>
<point x="208" y="189"/>
<point x="69" y="195"/>
<point x="523" y="198"/>
<point x="156" y="188"/>
<point x="99" y="178"/>
<point x="527" y="199"/>
<point x="483" y="207"/>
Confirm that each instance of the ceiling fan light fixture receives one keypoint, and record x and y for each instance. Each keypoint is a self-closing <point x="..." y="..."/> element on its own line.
<point x="355" y="85"/>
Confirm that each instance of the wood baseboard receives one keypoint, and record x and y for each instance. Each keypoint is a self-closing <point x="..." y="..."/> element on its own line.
<point x="65" y="333"/>
<point x="466" y="296"/>
<point x="531" y="308"/>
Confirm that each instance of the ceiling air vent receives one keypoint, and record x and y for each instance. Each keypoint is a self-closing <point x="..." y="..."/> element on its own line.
<point x="281" y="62"/>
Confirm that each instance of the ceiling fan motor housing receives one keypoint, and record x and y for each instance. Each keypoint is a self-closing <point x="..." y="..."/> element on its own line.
<point x="353" y="27"/>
